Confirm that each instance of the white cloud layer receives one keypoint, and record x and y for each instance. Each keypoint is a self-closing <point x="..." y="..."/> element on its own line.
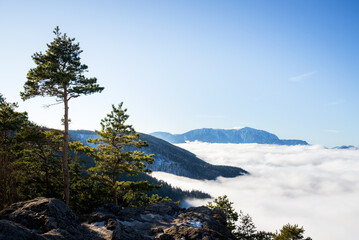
<point x="311" y="186"/>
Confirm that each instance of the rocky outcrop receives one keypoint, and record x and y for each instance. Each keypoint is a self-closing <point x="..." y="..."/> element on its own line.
<point x="13" y="231"/>
<point x="51" y="219"/>
<point x="43" y="214"/>
<point x="42" y="218"/>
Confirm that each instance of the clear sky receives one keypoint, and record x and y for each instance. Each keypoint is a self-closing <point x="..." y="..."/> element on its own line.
<point x="289" y="67"/>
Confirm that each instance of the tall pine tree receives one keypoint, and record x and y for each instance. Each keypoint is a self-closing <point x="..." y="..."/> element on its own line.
<point x="60" y="74"/>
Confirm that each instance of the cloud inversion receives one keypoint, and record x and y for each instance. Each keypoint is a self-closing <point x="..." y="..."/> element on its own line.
<point x="311" y="186"/>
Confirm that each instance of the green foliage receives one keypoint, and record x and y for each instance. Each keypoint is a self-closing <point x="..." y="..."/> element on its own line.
<point x="86" y="193"/>
<point x="132" y="194"/>
<point x="59" y="72"/>
<point x="246" y="228"/>
<point x="38" y="164"/>
<point x="117" y="154"/>
<point x="290" y="232"/>
<point x="11" y="122"/>
<point x="223" y="203"/>
<point x="156" y="198"/>
<point x="166" y="190"/>
<point x="262" y="235"/>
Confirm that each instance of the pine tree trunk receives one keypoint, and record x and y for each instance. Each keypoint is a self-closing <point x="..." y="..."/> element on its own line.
<point x="114" y="190"/>
<point x="3" y="180"/>
<point x="65" y="150"/>
<point x="47" y="178"/>
<point x="3" y="173"/>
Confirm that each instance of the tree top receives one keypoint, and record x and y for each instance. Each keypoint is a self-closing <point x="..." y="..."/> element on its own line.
<point x="59" y="72"/>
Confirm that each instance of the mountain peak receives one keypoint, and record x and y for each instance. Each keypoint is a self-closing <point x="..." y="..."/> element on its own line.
<point x="242" y="135"/>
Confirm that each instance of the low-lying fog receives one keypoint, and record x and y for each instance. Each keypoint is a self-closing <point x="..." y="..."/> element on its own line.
<point x="314" y="187"/>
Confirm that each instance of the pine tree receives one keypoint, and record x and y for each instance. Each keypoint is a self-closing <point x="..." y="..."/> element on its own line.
<point x="60" y="74"/>
<point x="246" y="229"/>
<point x="118" y="154"/>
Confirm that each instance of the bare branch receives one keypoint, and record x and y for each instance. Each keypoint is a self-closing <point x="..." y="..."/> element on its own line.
<point x="49" y="105"/>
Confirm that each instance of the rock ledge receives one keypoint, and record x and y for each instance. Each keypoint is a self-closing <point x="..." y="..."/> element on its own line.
<point x="51" y="219"/>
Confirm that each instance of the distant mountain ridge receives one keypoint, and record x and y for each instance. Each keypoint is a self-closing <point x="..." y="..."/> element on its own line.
<point x="243" y="135"/>
<point x="346" y="147"/>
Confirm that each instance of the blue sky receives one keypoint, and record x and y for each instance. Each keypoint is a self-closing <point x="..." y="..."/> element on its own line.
<point x="286" y="66"/>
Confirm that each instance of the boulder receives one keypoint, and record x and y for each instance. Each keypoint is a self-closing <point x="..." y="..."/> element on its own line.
<point x="43" y="214"/>
<point x="127" y="232"/>
<point x="104" y="213"/>
<point x="200" y="223"/>
<point x="194" y="233"/>
<point x="14" y="231"/>
<point x="47" y="218"/>
<point x="131" y="214"/>
<point x="163" y="208"/>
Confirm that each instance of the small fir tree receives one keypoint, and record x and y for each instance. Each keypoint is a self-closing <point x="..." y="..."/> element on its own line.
<point x="246" y="230"/>
<point x="60" y="74"/>
<point x="118" y="154"/>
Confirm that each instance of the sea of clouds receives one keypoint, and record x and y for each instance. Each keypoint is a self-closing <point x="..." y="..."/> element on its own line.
<point x="312" y="186"/>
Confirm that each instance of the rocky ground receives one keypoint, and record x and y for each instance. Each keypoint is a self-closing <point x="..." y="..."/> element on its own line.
<point x="51" y="219"/>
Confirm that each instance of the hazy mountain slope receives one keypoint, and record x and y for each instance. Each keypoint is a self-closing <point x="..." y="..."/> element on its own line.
<point x="173" y="159"/>
<point x="244" y="135"/>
